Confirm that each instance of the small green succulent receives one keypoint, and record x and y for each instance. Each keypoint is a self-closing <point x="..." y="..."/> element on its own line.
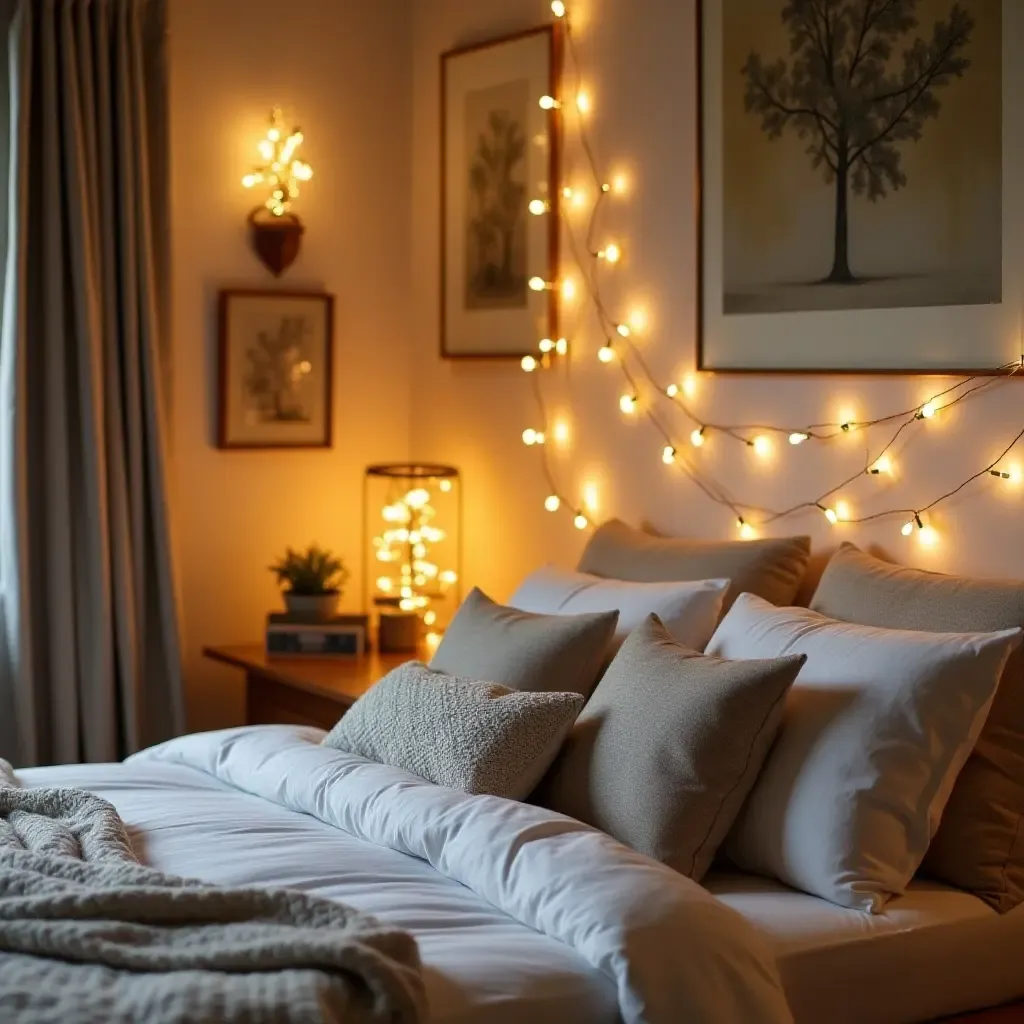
<point x="314" y="571"/>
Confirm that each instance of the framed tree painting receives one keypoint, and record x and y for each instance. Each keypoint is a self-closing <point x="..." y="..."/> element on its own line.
<point x="275" y="369"/>
<point x="499" y="153"/>
<point x="858" y="161"/>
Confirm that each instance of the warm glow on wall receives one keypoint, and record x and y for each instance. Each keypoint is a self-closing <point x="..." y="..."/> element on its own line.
<point x="644" y="391"/>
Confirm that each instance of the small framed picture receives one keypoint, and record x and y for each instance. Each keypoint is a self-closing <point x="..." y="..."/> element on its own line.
<point x="499" y="155"/>
<point x="275" y="369"/>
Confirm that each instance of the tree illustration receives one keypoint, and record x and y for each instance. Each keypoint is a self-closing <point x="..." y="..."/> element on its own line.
<point x="499" y="199"/>
<point x="276" y="370"/>
<point x="844" y="94"/>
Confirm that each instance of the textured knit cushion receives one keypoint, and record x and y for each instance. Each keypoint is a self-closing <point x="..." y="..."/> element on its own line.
<point x="688" y="610"/>
<point x="980" y="843"/>
<point x="460" y="733"/>
<point x="524" y="651"/>
<point x="876" y="729"/>
<point x="668" y="747"/>
<point x="771" y="568"/>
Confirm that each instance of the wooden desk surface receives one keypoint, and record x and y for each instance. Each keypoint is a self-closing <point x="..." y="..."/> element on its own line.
<point x="343" y="680"/>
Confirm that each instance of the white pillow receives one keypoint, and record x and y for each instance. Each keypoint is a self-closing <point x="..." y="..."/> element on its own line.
<point x="877" y="726"/>
<point x="689" y="610"/>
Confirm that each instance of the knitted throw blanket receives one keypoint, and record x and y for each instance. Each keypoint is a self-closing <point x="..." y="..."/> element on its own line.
<point x="87" y="934"/>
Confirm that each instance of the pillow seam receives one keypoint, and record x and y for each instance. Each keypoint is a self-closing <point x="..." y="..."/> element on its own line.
<point x="732" y="789"/>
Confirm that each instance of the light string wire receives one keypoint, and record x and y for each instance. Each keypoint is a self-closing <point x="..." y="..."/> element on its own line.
<point x="620" y="348"/>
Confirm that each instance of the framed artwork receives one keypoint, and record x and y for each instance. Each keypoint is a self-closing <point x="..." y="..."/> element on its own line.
<point x="275" y="369"/>
<point x="857" y="163"/>
<point x="499" y="152"/>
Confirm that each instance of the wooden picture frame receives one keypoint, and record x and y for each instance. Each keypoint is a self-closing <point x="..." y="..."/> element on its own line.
<point x="487" y="310"/>
<point x="969" y="322"/>
<point x="275" y="369"/>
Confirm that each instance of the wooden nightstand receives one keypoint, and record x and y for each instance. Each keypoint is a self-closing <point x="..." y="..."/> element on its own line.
<point x="303" y="690"/>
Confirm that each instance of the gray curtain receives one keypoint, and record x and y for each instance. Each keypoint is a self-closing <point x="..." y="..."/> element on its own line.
<point x="89" y="665"/>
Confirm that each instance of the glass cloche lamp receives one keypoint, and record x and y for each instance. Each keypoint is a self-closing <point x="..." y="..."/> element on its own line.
<point x="412" y="526"/>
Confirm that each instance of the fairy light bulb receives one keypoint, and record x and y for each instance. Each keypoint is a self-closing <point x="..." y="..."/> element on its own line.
<point x="445" y="486"/>
<point x="546" y="345"/>
<point x="580" y="522"/>
<point x="747" y="532"/>
<point x="528" y="363"/>
<point x="830" y="514"/>
<point x="668" y="455"/>
<point x="627" y="403"/>
<point x="562" y="346"/>
<point x="623" y="330"/>
<point x="928" y="410"/>
<point x="558" y="8"/>
<point x="761" y="445"/>
<point x="538" y="284"/>
<point x="1011" y="474"/>
<point x="928" y="536"/>
<point x="567" y="192"/>
<point x="538" y="207"/>
<point x="908" y="528"/>
<point x="568" y="289"/>
<point x="611" y="253"/>
<point x="606" y="353"/>
<point x="672" y="390"/>
<point x="552" y="502"/>
<point x="798" y="437"/>
<point x="529" y="436"/>
<point x="882" y="465"/>
<point x="697" y="438"/>
<point x="549" y="103"/>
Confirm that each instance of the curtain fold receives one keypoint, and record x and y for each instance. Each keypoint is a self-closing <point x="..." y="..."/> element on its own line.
<point x="89" y="650"/>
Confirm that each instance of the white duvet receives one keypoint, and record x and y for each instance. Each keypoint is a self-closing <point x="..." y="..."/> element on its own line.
<point x="521" y="914"/>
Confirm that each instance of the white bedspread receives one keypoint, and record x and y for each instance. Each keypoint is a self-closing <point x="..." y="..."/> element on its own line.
<point x="521" y="914"/>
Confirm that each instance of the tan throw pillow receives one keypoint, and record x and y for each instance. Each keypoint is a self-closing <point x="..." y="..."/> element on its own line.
<point x="771" y="568"/>
<point x="523" y="650"/>
<point x="980" y="842"/>
<point x="473" y="736"/>
<point x="667" y="749"/>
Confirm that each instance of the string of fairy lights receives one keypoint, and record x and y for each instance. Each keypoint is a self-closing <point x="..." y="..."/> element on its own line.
<point x="620" y="350"/>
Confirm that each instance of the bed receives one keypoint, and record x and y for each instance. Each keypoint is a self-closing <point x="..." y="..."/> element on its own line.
<point x="521" y="914"/>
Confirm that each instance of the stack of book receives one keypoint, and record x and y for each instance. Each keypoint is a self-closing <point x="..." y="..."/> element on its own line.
<point x="341" y="635"/>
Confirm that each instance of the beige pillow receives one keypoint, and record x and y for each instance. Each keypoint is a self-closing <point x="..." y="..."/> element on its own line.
<point x="523" y="650"/>
<point x="771" y="568"/>
<point x="877" y="726"/>
<point x="980" y="842"/>
<point x="668" y="747"/>
<point x="473" y="736"/>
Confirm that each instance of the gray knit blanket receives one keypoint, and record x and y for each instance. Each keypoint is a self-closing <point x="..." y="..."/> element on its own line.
<point x="89" y="935"/>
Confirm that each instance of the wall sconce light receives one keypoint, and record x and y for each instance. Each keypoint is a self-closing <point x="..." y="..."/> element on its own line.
<point x="276" y="231"/>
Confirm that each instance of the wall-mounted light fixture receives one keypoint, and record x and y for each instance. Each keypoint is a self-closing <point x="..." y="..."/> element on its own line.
<point x="276" y="231"/>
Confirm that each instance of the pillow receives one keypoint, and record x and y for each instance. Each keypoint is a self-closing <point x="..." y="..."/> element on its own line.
<point x="980" y="842"/>
<point x="688" y="610"/>
<point x="876" y="728"/>
<point x="668" y="747"/>
<point x="772" y="568"/>
<point x="524" y="651"/>
<point x="473" y="736"/>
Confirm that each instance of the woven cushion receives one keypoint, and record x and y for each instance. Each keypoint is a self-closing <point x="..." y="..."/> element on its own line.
<point x="688" y="610"/>
<point x="771" y="568"/>
<point x="876" y="729"/>
<point x="524" y="651"/>
<point x="473" y="736"/>
<point x="980" y="842"/>
<point x="666" y="750"/>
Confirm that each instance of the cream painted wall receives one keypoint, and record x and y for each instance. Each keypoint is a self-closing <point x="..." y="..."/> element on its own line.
<point x="639" y="59"/>
<point x="342" y="70"/>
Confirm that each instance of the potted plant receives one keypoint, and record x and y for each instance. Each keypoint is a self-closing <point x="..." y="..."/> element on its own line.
<point x="313" y="579"/>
